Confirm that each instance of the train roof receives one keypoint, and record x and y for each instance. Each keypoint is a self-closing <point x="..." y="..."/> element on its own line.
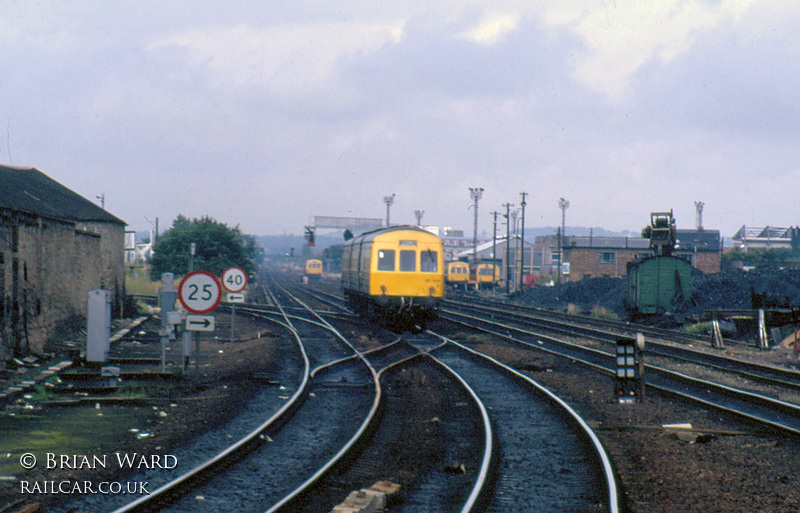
<point x="372" y="234"/>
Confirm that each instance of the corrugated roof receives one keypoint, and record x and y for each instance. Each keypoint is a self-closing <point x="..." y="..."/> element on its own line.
<point x="500" y="241"/>
<point x="30" y="191"/>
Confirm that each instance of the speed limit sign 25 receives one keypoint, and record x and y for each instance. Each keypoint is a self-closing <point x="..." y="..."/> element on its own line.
<point x="200" y="292"/>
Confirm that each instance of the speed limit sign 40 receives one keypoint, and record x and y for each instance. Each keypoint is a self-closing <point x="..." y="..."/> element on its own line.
<point x="200" y="292"/>
<point x="234" y="279"/>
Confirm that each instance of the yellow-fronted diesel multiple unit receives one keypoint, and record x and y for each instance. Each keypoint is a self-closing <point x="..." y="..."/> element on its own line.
<point x="395" y="276"/>
<point x="484" y="275"/>
<point x="313" y="268"/>
<point x="457" y="274"/>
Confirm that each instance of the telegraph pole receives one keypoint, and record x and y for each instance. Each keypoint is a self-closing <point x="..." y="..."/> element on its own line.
<point x="475" y="193"/>
<point x="522" y="244"/>
<point x="419" y="214"/>
<point x="494" y="238"/>
<point x="507" y="215"/>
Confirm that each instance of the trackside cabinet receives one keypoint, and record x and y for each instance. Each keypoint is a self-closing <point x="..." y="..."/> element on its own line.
<point x="99" y="326"/>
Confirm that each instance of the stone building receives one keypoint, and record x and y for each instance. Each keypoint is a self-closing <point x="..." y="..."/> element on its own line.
<point x="55" y="246"/>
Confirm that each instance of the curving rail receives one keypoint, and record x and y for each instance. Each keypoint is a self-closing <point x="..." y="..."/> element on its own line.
<point x="764" y="410"/>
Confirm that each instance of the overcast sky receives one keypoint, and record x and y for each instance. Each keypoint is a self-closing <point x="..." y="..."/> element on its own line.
<point x="263" y="114"/>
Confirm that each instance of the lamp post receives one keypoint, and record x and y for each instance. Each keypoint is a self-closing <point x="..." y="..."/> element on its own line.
<point x="522" y="244"/>
<point x="388" y="200"/>
<point x="475" y="193"/>
<point x="563" y="205"/>
<point x="494" y="238"/>
<point x="507" y="215"/>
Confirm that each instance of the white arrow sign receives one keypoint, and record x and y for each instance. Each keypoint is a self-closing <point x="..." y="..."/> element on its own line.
<point x="200" y="322"/>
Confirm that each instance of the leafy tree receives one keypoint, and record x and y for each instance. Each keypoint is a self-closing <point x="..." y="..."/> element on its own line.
<point x="217" y="248"/>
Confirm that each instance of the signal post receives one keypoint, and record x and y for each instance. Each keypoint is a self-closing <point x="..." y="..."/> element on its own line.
<point x="629" y="386"/>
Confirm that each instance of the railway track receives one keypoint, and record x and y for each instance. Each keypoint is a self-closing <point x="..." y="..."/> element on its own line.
<point x="312" y="427"/>
<point x="534" y="437"/>
<point x="455" y="478"/>
<point x="760" y="403"/>
<point x="764" y="394"/>
<point x="670" y="345"/>
<point x="642" y="439"/>
<point x="267" y="405"/>
<point x="537" y="437"/>
<point x="403" y="364"/>
<point x="552" y="317"/>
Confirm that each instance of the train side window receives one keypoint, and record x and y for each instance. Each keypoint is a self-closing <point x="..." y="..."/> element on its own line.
<point x="386" y="260"/>
<point x="408" y="261"/>
<point x="428" y="261"/>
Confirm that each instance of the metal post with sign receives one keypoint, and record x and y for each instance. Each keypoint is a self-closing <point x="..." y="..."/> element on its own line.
<point x="167" y="295"/>
<point x="200" y="293"/>
<point x="234" y="280"/>
<point x="188" y="335"/>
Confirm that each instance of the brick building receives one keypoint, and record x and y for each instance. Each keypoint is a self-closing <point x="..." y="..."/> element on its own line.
<point x="55" y="246"/>
<point x="592" y="257"/>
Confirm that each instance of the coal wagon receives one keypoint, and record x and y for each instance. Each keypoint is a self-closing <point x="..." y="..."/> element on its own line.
<point x="658" y="285"/>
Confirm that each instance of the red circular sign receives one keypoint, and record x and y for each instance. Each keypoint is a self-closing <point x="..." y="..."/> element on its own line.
<point x="200" y="292"/>
<point x="234" y="279"/>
